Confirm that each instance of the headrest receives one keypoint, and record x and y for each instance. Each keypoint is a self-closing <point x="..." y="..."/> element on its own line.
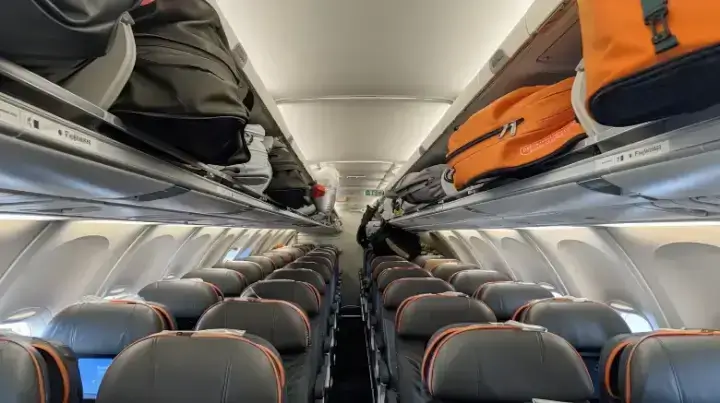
<point x="420" y="316"/>
<point x="309" y="276"/>
<point x="266" y="264"/>
<point x="103" y="328"/>
<point x="672" y="366"/>
<point x="326" y="254"/>
<point x="321" y="259"/>
<point x="500" y="362"/>
<point x="420" y="260"/>
<point x="392" y="274"/>
<point x="447" y="270"/>
<point x="505" y="297"/>
<point x="294" y="252"/>
<point x="382" y="259"/>
<point x="329" y="246"/>
<point x="321" y="268"/>
<point x="380" y="267"/>
<point x="23" y="373"/>
<point x="184" y="298"/>
<point x="235" y="366"/>
<point x="610" y="363"/>
<point x="281" y="323"/>
<point x="587" y="325"/>
<point x="401" y="289"/>
<point x="468" y="281"/>
<point x="277" y="259"/>
<point x="250" y="270"/>
<point x="431" y="264"/>
<point x="63" y="375"/>
<point x="230" y="282"/>
<point x="299" y="293"/>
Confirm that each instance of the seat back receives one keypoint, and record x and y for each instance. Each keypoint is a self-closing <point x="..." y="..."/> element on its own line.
<point x="392" y="274"/>
<point x="236" y="366"/>
<point x="299" y="293"/>
<point x="267" y="264"/>
<point x="311" y="277"/>
<point x="468" y="281"/>
<point x="23" y="372"/>
<point x="252" y="271"/>
<point x="320" y="266"/>
<point x="280" y="259"/>
<point x="230" y="282"/>
<point x="430" y="264"/>
<point x="446" y="270"/>
<point x="98" y="331"/>
<point x="506" y="297"/>
<point x="422" y="259"/>
<point x="502" y="363"/>
<point x="380" y="267"/>
<point x="185" y="299"/>
<point x="586" y="325"/>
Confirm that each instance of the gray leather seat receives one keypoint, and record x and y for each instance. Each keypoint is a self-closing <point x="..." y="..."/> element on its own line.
<point x="671" y="367"/>
<point x="501" y="363"/>
<point x="209" y="366"/>
<point x="266" y="263"/>
<point x="611" y="359"/>
<point x="281" y="323"/>
<point x="98" y="331"/>
<point x="392" y="297"/>
<point x="447" y="270"/>
<point x="23" y="372"/>
<point x="468" y="281"/>
<point x="231" y="283"/>
<point x="417" y="319"/>
<point x="506" y="297"/>
<point x="422" y="259"/>
<point x="252" y="271"/>
<point x="586" y="325"/>
<point x="185" y="299"/>
<point x="380" y="267"/>
<point x="280" y="259"/>
<point x="319" y="267"/>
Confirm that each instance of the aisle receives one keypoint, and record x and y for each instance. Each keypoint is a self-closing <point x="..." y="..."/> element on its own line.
<point x="351" y="375"/>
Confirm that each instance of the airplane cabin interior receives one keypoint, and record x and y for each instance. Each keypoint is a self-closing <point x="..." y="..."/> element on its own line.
<point x="359" y="201"/>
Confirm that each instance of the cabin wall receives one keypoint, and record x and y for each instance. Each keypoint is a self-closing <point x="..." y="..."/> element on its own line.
<point x="663" y="273"/>
<point x="46" y="265"/>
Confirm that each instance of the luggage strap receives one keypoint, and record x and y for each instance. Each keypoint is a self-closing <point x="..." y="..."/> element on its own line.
<point x="655" y="13"/>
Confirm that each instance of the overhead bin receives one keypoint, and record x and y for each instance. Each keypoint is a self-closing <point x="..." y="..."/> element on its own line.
<point x="52" y="165"/>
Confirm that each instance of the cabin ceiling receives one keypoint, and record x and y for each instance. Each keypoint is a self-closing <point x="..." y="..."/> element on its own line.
<point x="361" y="83"/>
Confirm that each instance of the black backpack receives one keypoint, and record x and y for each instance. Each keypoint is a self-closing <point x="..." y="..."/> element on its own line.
<point x="187" y="88"/>
<point x="288" y="186"/>
<point x="391" y="240"/>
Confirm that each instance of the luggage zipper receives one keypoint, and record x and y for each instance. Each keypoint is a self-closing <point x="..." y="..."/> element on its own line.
<point x="500" y="132"/>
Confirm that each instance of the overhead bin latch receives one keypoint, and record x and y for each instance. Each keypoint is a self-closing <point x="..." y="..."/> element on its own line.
<point x="498" y="60"/>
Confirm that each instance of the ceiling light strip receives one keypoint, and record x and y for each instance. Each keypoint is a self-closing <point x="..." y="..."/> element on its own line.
<point x="343" y="98"/>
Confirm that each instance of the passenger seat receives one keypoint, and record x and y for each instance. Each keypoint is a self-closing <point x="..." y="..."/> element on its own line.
<point x="253" y="272"/>
<point x="288" y="329"/>
<point x="266" y="263"/>
<point x="417" y="319"/>
<point x="586" y="325"/>
<point x="501" y="363"/>
<point x="206" y="366"/>
<point x="506" y="297"/>
<point x="24" y="375"/>
<point x="185" y="299"/>
<point x="231" y="283"/>
<point x="98" y="331"/>
<point x="446" y="270"/>
<point x="468" y="281"/>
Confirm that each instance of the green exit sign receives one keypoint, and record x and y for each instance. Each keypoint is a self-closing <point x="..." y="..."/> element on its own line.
<point x="374" y="193"/>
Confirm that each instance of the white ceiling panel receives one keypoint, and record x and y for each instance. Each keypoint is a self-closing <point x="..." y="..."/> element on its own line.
<point x="385" y="130"/>
<point x="310" y="48"/>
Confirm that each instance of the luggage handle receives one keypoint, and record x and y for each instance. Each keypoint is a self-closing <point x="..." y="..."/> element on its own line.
<point x="655" y="13"/>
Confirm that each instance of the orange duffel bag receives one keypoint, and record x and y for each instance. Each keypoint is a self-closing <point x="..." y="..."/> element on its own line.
<point x="650" y="59"/>
<point x="519" y="131"/>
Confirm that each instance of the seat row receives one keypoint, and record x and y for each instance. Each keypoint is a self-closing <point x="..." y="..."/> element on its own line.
<point x="502" y="340"/>
<point x="199" y="335"/>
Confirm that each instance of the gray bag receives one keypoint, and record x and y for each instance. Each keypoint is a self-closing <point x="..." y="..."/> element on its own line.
<point x="256" y="173"/>
<point x="187" y="88"/>
<point x="426" y="186"/>
<point x="288" y="186"/>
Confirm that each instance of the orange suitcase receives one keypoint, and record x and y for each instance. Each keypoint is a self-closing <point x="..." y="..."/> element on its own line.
<point x="649" y="59"/>
<point x="521" y="130"/>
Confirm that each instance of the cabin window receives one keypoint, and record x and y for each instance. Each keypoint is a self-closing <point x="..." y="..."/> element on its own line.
<point x="552" y="289"/>
<point x="244" y="253"/>
<point x="637" y="322"/>
<point x="231" y="254"/>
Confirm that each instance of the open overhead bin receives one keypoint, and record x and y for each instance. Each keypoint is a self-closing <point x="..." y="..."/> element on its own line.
<point x="655" y="171"/>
